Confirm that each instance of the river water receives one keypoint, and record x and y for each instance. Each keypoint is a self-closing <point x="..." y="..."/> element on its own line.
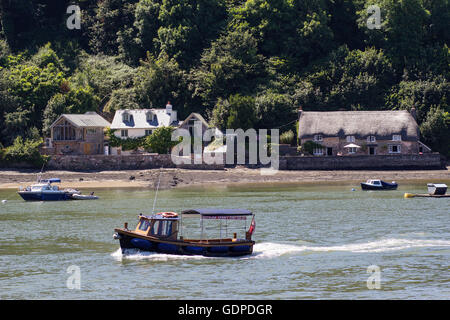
<point x="313" y="241"/>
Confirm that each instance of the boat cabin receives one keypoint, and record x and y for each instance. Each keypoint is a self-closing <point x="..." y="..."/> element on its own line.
<point x="374" y="182"/>
<point x="161" y="225"/>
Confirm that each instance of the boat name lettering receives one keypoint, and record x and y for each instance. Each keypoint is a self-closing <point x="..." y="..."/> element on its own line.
<point x="224" y="217"/>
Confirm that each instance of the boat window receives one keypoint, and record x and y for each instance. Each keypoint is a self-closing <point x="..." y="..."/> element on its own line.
<point x="155" y="226"/>
<point x="377" y="182"/>
<point x="161" y="228"/>
<point x="144" y="225"/>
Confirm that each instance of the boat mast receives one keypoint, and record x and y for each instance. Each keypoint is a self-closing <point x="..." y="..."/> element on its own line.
<point x="40" y="173"/>
<point x="156" y="194"/>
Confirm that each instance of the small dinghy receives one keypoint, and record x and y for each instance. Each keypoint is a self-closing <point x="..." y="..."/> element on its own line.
<point x="79" y="196"/>
<point x="437" y="188"/>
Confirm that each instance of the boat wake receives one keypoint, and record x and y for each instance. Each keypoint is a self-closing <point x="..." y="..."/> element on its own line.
<point x="267" y="250"/>
<point x="271" y="250"/>
<point x="136" y="254"/>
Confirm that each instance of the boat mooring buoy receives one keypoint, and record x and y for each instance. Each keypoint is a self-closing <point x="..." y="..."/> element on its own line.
<point x="4" y="201"/>
<point x="353" y="189"/>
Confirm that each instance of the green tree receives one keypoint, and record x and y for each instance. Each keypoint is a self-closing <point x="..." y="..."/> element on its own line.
<point x="112" y="18"/>
<point x="161" y="80"/>
<point x="296" y="30"/>
<point x="232" y="65"/>
<point x="75" y="101"/>
<point x="188" y="26"/>
<point x="33" y="86"/>
<point x="236" y="112"/>
<point x="24" y="151"/>
<point x="423" y="95"/>
<point x="160" y="141"/>
<point x="274" y="109"/>
<point x="104" y="74"/>
<point x="350" y="80"/>
<point x="436" y="130"/>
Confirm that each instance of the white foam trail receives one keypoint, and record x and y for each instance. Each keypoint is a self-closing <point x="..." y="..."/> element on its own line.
<point x="271" y="250"/>
<point x="135" y="254"/>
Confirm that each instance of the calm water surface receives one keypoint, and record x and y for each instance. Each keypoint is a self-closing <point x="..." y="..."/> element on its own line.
<point x="313" y="242"/>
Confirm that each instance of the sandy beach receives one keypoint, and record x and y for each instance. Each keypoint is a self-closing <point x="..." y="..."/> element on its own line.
<point x="171" y="178"/>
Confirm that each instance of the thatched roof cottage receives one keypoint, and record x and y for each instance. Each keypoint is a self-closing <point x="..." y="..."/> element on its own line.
<point x="360" y="132"/>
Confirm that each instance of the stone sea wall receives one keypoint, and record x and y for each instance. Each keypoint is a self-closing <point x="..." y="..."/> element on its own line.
<point x="426" y="161"/>
<point x="121" y="162"/>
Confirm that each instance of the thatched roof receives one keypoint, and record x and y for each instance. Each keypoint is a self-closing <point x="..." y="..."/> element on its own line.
<point x="195" y="115"/>
<point x="382" y="124"/>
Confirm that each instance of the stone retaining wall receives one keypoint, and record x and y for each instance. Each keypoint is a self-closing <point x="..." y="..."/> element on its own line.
<point x="427" y="161"/>
<point x="120" y="162"/>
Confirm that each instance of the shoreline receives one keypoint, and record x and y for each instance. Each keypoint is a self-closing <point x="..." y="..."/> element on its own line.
<point x="176" y="178"/>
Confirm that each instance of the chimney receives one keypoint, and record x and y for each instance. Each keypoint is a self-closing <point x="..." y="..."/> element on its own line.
<point x="413" y="112"/>
<point x="168" y="108"/>
<point x="299" y="111"/>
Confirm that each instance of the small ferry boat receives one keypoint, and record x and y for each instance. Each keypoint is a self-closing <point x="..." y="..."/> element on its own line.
<point x="437" y="188"/>
<point x="43" y="190"/>
<point x="378" y="185"/>
<point x="161" y="233"/>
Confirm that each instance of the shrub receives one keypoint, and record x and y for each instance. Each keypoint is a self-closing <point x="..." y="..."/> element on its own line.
<point x="125" y="144"/>
<point x="24" y="151"/>
<point x="287" y="137"/>
<point x="309" y="146"/>
<point x="160" y="141"/>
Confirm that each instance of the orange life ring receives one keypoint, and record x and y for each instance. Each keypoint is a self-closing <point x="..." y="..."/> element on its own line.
<point x="169" y="214"/>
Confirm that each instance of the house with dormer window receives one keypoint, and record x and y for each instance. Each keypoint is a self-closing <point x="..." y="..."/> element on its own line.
<point x="135" y="123"/>
<point x="361" y="132"/>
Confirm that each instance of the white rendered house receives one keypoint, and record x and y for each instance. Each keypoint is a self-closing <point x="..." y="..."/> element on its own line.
<point x="137" y="123"/>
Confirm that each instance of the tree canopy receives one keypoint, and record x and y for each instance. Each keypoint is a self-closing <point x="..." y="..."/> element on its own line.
<point x="248" y="63"/>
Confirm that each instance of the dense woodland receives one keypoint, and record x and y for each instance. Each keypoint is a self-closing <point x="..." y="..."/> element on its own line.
<point x="241" y="64"/>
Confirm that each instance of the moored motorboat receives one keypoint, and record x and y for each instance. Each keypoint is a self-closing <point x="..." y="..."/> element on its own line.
<point x="43" y="190"/>
<point x="378" y="185"/>
<point x="160" y="233"/>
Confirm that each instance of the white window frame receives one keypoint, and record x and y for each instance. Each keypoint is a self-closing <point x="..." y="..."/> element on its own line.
<point x="396" y="137"/>
<point x="399" y="148"/>
<point x="148" y="132"/>
<point x="350" y="138"/>
<point x="124" y="133"/>
<point x="125" y="117"/>
<point x="352" y="150"/>
<point x="150" y="116"/>
<point x="318" y="137"/>
<point x="318" y="151"/>
<point x="371" y="139"/>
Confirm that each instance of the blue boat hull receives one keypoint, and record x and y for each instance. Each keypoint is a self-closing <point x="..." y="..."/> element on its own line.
<point x="44" y="196"/>
<point x="128" y="242"/>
